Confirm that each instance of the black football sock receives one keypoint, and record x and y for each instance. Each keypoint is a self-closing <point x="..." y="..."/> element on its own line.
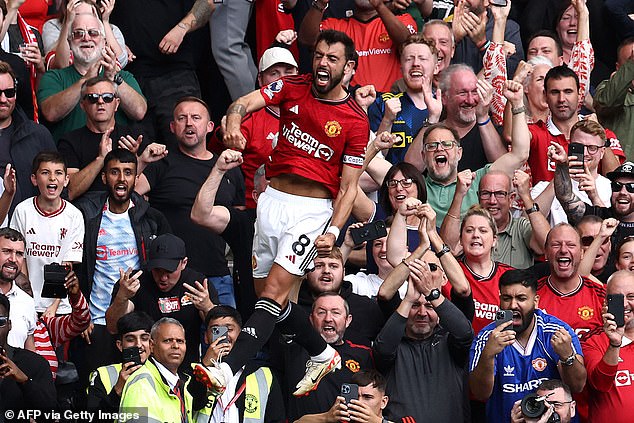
<point x="294" y="321"/>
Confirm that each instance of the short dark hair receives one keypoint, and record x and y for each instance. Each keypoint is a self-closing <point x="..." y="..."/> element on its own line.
<point x="11" y="234"/>
<point x="133" y="321"/>
<point x="6" y="68"/>
<point x="47" y="156"/>
<point x="4" y="302"/>
<point x="332" y="294"/>
<point x="625" y="43"/>
<point x="560" y="72"/>
<point x="518" y="276"/>
<point x="121" y="155"/>
<point x="548" y="34"/>
<point x="221" y="311"/>
<point x="408" y="171"/>
<point x="552" y="384"/>
<point x="192" y="99"/>
<point x="370" y="376"/>
<point x="330" y="37"/>
<point x="589" y="218"/>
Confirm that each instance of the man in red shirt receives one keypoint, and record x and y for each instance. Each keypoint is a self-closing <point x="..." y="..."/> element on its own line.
<point x="314" y="172"/>
<point x="561" y="87"/>
<point x="566" y="294"/>
<point x="377" y="35"/>
<point x="609" y="355"/>
<point x="260" y="128"/>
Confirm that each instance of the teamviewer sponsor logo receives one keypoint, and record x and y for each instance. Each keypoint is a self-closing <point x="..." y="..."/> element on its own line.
<point x="306" y="142"/>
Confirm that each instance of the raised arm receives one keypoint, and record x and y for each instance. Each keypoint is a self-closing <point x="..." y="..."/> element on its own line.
<point x="81" y="179"/>
<point x="572" y="205"/>
<point x="128" y="287"/>
<point x="608" y="226"/>
<point x="494" y="62"/>
<point x="521" y="139"/>
<point x="309" y="28"/>
<point x="204" y="212"/>
<point x="397" y="31"/>
<point x="233" y="138"/>
<point x="196" y="18"/>
<point x="450" y="226"/>
<point x="539" y="224"/>
<point x="397" y="238"/>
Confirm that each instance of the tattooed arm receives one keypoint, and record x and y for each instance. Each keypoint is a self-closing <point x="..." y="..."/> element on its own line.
<point x="196" y="18"/>
<point x="573" y="206"/>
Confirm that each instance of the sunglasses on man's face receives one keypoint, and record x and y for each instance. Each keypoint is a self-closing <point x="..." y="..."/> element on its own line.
<point x="618" y="186"/>
<point x="94" y="97"/>
<point x="8" y="92"/>
<point x="587" y="240"/>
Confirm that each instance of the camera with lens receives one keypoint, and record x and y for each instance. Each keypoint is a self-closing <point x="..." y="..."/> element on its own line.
<point x="533" y="406"/>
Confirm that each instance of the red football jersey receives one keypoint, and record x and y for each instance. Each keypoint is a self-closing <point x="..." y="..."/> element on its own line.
<point x="485" y="291"/>
<point x="610" y="388"/>
<point x="581" y="309"/>
<point x="270" y="18"/>
<point x="260" y="130"/>
<point x="379" y="63"/>
<point x="317" y="137"/>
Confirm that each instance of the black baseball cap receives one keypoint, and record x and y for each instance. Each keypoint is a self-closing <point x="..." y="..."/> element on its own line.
<point x="626" y="169"/>
<point x="166" y="252"/>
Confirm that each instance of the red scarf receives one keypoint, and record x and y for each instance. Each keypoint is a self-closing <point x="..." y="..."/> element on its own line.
<point x="29" y="37"/>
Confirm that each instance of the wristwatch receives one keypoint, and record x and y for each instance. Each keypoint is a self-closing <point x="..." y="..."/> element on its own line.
<point x="118" y="79"/>
<point x="444" y="250"/>
<point x="569" y="361"/>
<point x="433" y="295"/>
<point x="533" y="209"/>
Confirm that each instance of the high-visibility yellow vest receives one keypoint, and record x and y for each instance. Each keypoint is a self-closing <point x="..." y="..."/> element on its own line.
<point x="256" y="396"/>
<point x="146" y="393"/>
<point x="108" y="376"/>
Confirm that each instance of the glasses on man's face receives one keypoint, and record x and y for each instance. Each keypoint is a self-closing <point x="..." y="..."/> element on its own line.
<point x="443" y="145"/>
<point x="500" y="195"/>
<point x="8" y="92"/>
<point x="4" y="320"/>
<point x="94" y="97"/>
<point x="79" y="34"/>
<point x="587" y="240"/>
<point x="592" y="149"/>
<point x="617" y="186"/>
<point x="405" y="182"/>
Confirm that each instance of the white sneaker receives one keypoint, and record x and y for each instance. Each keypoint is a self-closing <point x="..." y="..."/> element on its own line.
<point x="315" y="372"/>
<point x="210" y="376"/>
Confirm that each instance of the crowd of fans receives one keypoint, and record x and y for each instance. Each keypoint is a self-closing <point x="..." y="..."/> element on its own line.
<point x="411" y="211"/>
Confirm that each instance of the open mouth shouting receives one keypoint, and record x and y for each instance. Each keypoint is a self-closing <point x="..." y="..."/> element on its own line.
<point x="322" y="77"/>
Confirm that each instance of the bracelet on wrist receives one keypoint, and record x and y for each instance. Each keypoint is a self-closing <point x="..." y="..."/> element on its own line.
<point x="315" y="5"/>
<point x="616" y="346"/>
<point x="334" y="230"/>
<point x="518" y="110"/>
<point x="486" y="122"/>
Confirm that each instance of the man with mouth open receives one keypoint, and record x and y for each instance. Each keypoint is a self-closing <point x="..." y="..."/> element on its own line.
<point x="318" y="157"/>
<point x="509" y="360"/>
<point x="119" y="228"/>
<point x="573" y="298"/>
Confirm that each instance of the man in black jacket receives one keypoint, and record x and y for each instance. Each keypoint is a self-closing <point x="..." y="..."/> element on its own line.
<point x="119" y="227"/>
<point x="424" y="361"/>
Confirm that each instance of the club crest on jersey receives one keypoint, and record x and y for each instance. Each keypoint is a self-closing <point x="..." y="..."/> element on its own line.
<point x="353" y="365"/>
<point x="539" y="364"/>
<point x="585" y="312"/>
<point x="332" y="128"/>
<point x="273" y="87"/>
<point x="384" y="37"/>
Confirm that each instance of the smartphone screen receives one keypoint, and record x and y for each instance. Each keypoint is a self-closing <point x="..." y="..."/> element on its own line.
<point x="616" y="308"/>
